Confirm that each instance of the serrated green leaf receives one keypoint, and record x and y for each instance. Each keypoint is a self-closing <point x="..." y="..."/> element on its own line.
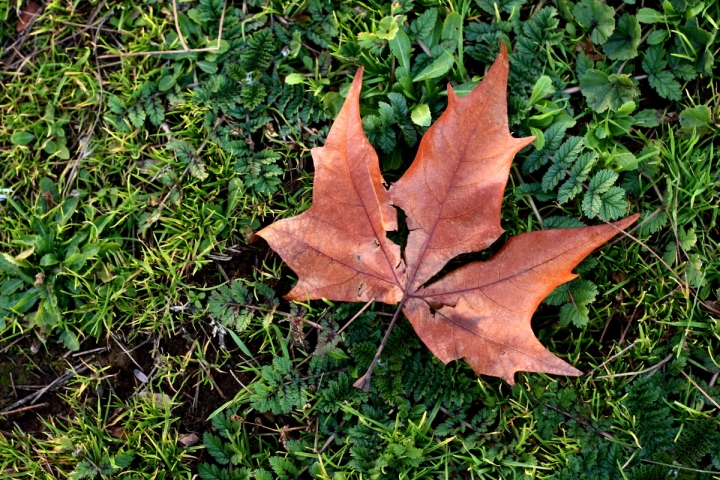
<point x="670" y="253"/>
<point x="652" y="222"/>
<point x="665" y="85"/>
<point x="684" y="71"/>
<point x="583" y="291"/>
<point x="694" y="272"/>
<point x="623" y="43"/>
<point x="282" y="466"/>
<point x="116" y="104"/>
<point x="578" y="174"/>
<point x="84" y="469"/>
<point x="687" y="238"/>
<point x="597" y="16"/>
<point x="654" y="59"/>
<point x="608" y="206"/>
<point x="424" y="24"/>
<point x="262" y="474"/>
<point x="387" y="113"/>
<point x="553" y="176"/>
<point x="155" y="110"/>
<point x="208" y="471"/>
<point x="215" y="447"/>
<point x="574" y="314"/>
<point x="136" y="114"/>
<point x="602" y="181"/>
<point x="561" y="294"/>
<point x="568" y="152"/>
<point x="583" y="63"/>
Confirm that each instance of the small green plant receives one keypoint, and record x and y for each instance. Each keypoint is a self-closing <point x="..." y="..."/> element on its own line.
<point x="234" y="306"/>
<point x="230" y="450"/>
<point x="193" y="152"/>
<point x="60" y="263"/>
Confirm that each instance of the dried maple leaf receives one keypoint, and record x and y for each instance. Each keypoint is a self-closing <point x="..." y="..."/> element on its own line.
<point x="452" y="195"/>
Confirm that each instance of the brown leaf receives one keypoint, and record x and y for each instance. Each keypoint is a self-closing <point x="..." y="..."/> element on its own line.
<point x="488" y="305"/>
<point x="463" y="158"/>
<point x="452" y="195"/>
<point x="338" y="246"/>
<point x="27" y="16"/>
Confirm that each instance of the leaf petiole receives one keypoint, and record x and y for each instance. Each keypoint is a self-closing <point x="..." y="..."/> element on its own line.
<point x="363" y="383"/>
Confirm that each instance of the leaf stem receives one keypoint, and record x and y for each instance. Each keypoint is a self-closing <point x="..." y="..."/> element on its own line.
<point x="363" y="383"/>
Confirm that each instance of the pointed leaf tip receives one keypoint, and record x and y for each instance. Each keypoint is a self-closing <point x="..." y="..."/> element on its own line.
<point x="452" y="96"/>
<point x="626" y="222"/>
<point x="503" y="52"/>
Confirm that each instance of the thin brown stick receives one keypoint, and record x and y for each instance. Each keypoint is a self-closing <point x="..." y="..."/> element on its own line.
<point x="29" y="407"/>
<point x="714" y="378"/>
<point x="356" y="316"/>
<point x="125" y="350"/>
<point x="612" y="358"/>
<point x="581" y="421"/>
<point x="7" y="347"/>
<point x="699" y="388"/>
<point x="173" y="52"/>
<point x="630" y="322"/>
<point x="645" y="370"/>
<point x="363" y="383"/>
<point x="212" y="380"/>
<point x="12" y="383"/>
<point x="177" y="26"/>
<point x="241" y="383"/>
<point x="34" y="397"/>
<point x="424" y="48"/>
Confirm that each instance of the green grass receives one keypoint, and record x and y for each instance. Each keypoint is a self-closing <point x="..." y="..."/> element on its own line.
<point x="131" y="185"/>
